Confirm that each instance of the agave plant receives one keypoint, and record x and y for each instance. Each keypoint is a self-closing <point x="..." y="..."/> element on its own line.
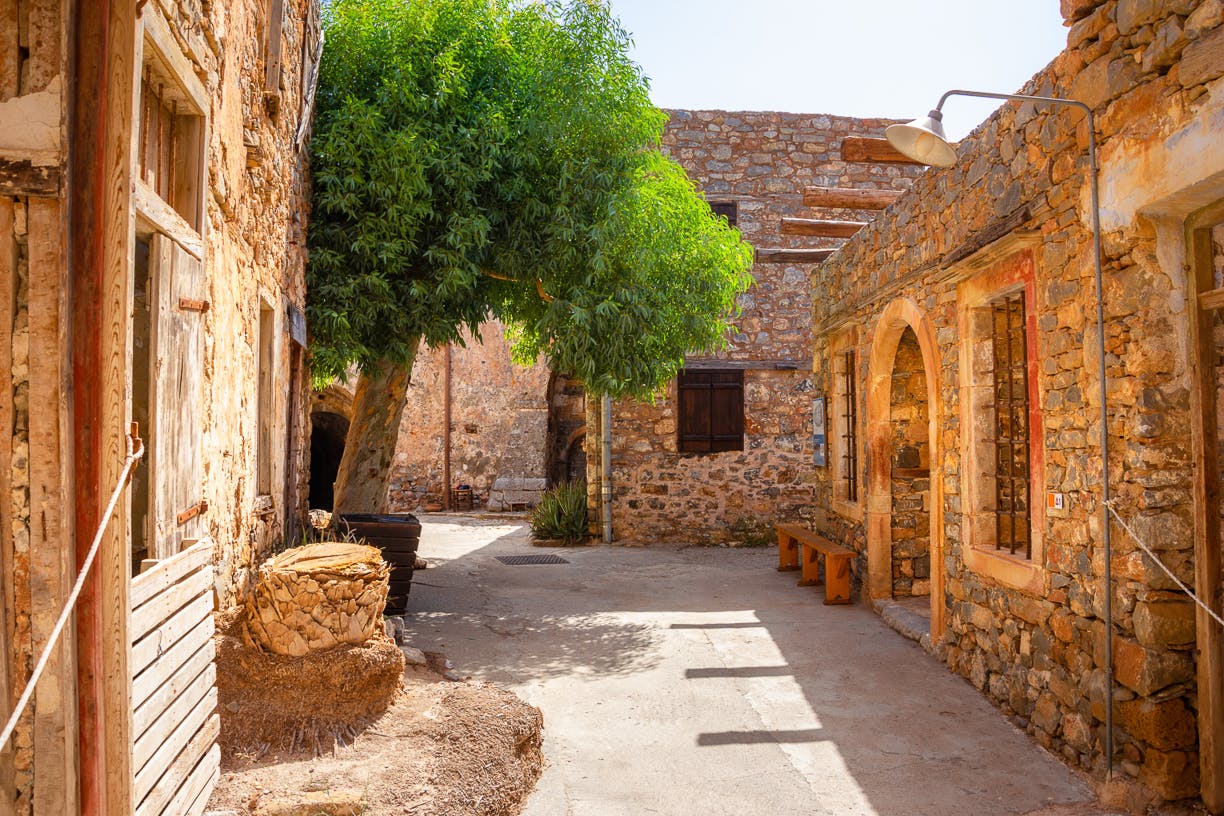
<point x="561" y="513"/>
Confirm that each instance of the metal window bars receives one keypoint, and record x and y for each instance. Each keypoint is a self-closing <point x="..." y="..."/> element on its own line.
<point x="1011" y="414"/>
<point x="849" y="436"/>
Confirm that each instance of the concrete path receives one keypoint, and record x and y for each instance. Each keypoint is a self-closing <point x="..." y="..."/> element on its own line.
<point x="702" y="681"/>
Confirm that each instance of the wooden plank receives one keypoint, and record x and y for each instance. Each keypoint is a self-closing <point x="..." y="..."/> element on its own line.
<point x="147" y="622"/>
<point x="51" y="556"/>
<point x="1203" y="59"/>
<point x="707" y="363"/>
<point x="179" y="753"/>
<point x="8" y="282"/>
<point x="1212" y="300"/>
<point x="821" y="228"/>
<point x="180" y="70"/>
<point x="170" y="571"/>
<point x="986" y="236"/>
<point x="272" y="56"/>
<point x="165" y="219"/>
<point x="21" y="177"/>
<point x="848" y="198"/>
<point x="149" y="709"/>
<point x="212" y="764"/>
<point x="861" y="149"/>
<point x="181" y="650"/>
<point x="182" y="705"/>
<point x="792" y="255"/>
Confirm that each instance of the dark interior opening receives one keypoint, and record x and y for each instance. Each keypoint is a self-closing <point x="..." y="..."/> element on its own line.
<point x="327" y="435"/>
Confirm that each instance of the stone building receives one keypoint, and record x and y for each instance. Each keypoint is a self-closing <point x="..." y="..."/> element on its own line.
<point x="672" y="479"/>
<point x="955" y="340"/>
<point x="152" y="205"/>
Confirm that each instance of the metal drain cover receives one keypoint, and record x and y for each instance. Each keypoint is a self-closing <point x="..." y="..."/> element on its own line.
<point x="524" y="560"/>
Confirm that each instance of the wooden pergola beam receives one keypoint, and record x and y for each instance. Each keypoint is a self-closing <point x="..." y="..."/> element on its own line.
<point x="862" y="149"/>
<point x="821" y="228"/>
<point x="792" y="255"/>
<point x="847" y="198"/>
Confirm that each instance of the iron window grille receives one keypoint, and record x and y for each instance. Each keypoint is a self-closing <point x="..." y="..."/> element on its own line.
<point x="850" y="435"/>
<point x="1013" y="517"/>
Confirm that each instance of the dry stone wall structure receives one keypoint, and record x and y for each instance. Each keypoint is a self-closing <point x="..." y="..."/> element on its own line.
<point x="1013" y="218"/>
<point x="760" y="162"/>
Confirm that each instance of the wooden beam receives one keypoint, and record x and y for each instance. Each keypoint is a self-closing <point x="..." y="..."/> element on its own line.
<point x="988" y="235"/>
<point x="821" y="228"/>
<point x="22" y="178"/>
<point x="714" y="364"/>
<point x="862" y="149"/>
<point x="1212" y="300"/>
<point x="792" y="255"/>
<point x="847" y="198"/>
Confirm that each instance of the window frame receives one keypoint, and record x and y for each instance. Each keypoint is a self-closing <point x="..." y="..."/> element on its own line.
<point x="689" y="386"/>
<point x="846" y="500"/>
<point x="1013" y="273"/>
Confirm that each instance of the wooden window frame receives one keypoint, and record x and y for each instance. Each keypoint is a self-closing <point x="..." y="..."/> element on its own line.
<point x="726" y="209"/>
<point x="845" y="500"/>
<point x="702" y="386"/>
<point x="1012" y="274"/>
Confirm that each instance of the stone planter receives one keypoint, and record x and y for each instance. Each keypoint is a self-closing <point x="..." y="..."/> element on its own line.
<point x="397" y="535"/>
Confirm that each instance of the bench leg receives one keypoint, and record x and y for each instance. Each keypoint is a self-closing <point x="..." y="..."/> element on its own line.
<point x="837" y="579"/>
<point x="788" y="553"/>
<point x="811" y="567"/>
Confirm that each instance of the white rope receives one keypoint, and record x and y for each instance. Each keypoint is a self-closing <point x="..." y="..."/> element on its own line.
<point x="1160" y="564"/>
<point x="134" y="455"/>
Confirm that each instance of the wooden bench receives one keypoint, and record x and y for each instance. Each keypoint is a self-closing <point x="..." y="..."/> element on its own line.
<point x="800" y="548"/>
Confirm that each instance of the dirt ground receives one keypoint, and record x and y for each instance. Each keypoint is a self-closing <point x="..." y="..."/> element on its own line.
<point x="441" y="747"/>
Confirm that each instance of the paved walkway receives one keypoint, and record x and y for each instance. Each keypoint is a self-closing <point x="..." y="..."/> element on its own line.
<point x="702" y="681"/>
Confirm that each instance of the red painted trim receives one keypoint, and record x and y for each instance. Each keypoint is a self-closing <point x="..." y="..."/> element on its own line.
<point x="86" y="196"/>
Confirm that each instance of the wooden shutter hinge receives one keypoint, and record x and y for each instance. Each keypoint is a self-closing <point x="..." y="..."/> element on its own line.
<point x="189" y="305"/>
<point x="197" y="509"/>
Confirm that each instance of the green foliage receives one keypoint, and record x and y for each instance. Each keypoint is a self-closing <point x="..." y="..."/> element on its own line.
<point x="561" y="513"/>
<point x="469" y="153"/>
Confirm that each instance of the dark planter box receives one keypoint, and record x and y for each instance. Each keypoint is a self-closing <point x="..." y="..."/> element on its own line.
<point x="397" y="536"/>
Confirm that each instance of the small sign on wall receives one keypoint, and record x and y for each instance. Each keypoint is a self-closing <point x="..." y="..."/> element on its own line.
<point x="820" y="444"/>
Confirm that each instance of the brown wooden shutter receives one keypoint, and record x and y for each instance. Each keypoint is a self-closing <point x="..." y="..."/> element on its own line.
<point x="176" y="433"/>
<point x="711" y="411"/>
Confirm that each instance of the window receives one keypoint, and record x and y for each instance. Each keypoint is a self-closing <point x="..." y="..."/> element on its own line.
<point x="263" y="447"/>
<point x="845" y="440"/>
<point x="1011" y="436"/>
<point x="711" y="411"/>
<point x="726" y="209"/>
<point x="1003" y="474"/>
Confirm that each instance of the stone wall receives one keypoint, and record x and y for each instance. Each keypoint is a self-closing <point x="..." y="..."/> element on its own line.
<point x="761" y="161"/>
<point x="1030" y="632"/>
<point x="910" y="466"/>
<point x="499" y="424"/>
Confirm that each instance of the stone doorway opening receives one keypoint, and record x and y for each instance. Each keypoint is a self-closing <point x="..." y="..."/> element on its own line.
<point x="904" y="489"/>
<point x="327" y="434"/>
<point x="910" y="472"/>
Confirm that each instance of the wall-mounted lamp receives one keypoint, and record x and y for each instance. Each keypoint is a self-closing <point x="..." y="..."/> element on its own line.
<point x="924" y="141"/>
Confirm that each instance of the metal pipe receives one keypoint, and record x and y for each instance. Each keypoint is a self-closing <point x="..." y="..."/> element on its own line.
<point x="1101" y="374"/>
<point x="446" y="430"/>
<point x="605" y="467"/>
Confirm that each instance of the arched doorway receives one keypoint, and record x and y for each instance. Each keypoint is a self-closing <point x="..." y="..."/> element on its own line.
<point x="904" y="485"/>
<point x="327" y="434"/>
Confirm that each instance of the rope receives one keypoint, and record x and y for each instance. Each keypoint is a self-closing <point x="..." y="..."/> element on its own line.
<point x="136" y="450"/>
<point x="1160" y="564"/>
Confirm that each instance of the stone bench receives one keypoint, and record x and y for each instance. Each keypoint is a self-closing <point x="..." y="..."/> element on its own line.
<point x="800" y="548"/>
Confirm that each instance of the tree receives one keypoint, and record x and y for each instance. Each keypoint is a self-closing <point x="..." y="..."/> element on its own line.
<point x="478" y="158"/>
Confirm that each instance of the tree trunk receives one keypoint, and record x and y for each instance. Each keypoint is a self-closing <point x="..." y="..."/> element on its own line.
<point x="365" y="468"/>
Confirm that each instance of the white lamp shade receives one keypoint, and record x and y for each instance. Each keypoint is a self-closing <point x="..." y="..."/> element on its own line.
<point x="923" y="140"/>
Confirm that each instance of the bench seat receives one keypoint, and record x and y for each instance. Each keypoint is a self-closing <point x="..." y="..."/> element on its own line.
<point x="802" y="549"/>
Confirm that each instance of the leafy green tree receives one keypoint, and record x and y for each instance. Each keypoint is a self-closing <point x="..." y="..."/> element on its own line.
<point x="478" y="158"/>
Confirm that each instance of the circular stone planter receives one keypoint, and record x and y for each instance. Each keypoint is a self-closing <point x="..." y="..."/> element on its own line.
<point x="397" y="535"/>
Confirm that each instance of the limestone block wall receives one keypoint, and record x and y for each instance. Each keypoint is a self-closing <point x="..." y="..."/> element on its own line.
<point x="761" y="161"/>
<point x="1030" y="633"/>
<point x="499" y="421"/>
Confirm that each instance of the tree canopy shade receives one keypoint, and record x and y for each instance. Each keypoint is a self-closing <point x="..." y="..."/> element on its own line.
<point x="477" y="158"/>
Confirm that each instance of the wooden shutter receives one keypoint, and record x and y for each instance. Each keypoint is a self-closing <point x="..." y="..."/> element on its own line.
<point x="711" y="411"/>
<point x="178" y="372"/>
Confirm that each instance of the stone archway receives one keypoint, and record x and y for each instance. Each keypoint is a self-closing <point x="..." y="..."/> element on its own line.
<point x="899" y="316"/>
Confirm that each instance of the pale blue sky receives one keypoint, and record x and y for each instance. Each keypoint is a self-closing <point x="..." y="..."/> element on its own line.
<point x="850" y="57"/>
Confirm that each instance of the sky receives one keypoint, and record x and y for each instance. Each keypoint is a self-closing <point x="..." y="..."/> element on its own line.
<point x="890" y="58"/>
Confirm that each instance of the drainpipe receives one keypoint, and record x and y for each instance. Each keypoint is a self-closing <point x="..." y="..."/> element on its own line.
<point x="605" y="466"/>
<point x="446" y="429"/>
